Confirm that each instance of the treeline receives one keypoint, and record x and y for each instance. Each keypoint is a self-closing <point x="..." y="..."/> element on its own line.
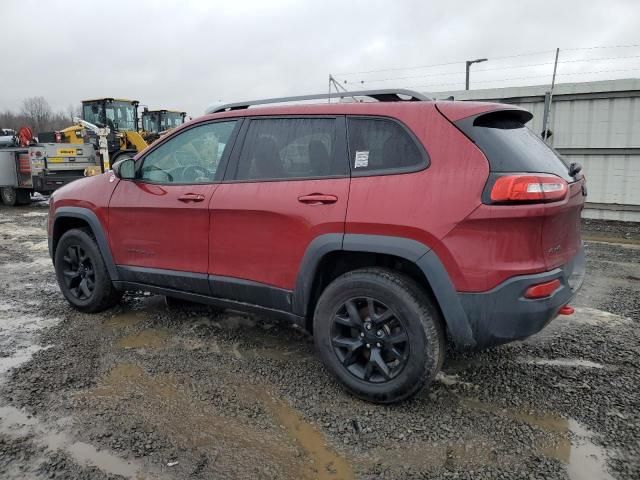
<point x="36" y="113"/>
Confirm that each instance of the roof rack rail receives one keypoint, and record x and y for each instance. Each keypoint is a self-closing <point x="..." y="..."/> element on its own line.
<point x="384" y="95"/>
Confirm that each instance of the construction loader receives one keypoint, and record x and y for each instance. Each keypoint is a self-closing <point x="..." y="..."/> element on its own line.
<point x="157" y="122"/>
<point x="119" y="115"/>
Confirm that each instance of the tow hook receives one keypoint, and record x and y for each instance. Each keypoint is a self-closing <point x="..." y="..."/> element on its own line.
<point x="566" y="310"/>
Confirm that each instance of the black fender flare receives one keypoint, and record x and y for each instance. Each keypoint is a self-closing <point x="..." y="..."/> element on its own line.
<point x="416" y="252"/>
<point x="98" y="232"/>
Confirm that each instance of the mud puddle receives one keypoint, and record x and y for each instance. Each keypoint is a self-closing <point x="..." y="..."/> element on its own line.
<point x="282" y="441"/>
<point x="268" y="346"/>
<point x="165" y="403"/>
<point x="327" y="463"/>
<point x="572" y="443"/>
<point x="15" y="423"/>
<point x="149" y="338"/>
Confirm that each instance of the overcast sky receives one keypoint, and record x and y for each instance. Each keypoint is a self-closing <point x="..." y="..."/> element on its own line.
<point x="189" y="54"/>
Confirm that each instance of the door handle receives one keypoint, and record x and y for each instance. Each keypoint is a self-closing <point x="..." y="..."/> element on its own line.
<point x="191" y="197"/>
<point x="318" y="199"/>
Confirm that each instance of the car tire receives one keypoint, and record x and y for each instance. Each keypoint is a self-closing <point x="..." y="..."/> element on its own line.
<point x="24" y="197"/>
<point x="385" y="357"/>
<point x="82" y="274"/>
<point x="15" y="196"/>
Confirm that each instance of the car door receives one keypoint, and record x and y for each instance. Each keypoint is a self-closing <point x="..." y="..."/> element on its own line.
<point x="159" y="222"/>
<point x="287" y="183"/>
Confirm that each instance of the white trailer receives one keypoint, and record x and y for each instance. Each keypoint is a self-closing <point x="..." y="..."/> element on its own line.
<point x="42" y="167"/>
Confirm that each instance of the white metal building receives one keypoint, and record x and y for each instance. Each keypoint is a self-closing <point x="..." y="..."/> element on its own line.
<point x="594" y="123"/>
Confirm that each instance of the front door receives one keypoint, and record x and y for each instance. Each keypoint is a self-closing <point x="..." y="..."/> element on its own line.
<point x="286" y="185"/>
<point x="159" y="223"/>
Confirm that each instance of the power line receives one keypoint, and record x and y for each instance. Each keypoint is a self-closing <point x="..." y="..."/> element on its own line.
<point x="600" y="47"/>
<point x="508" y="67"/>
<point x="581" y="60"/>
<point x="529" y="54"/>
<point x="527" y="77"/>
<point x="438" y="64"/>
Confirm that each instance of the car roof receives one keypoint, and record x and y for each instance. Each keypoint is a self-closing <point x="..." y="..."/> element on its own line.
<point x="457" y="109"/>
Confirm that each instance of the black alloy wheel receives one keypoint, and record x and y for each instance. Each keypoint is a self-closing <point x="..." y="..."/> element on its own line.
<point x="78" y="272"/>
<point x="369" y="340"/>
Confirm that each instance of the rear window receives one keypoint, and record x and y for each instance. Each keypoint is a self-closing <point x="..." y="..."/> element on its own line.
<point x="510" y="146"/>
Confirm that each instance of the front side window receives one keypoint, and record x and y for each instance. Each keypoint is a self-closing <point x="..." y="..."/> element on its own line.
<point x="192" y="156"/>
<point x="286" y="148"/>
<point x="377" y="144"/>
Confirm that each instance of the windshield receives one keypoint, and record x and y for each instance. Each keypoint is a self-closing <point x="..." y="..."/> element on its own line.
<point x="171" y="120"/>
<point x="116" y="115"/>
<point x="150" y="122"/>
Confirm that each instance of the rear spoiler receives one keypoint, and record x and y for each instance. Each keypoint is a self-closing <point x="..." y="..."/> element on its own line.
<point x="455" y="111"/>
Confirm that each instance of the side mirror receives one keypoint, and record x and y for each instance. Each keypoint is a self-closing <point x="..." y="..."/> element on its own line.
<point x="125" y="169"/>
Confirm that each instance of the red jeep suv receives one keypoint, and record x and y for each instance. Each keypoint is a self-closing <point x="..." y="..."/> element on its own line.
<point x="384" y="227"/>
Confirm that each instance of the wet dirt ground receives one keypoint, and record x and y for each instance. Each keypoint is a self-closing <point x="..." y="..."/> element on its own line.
<point x="144" y="391"/>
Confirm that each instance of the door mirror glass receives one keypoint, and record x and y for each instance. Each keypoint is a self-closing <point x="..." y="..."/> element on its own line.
<point x="125" y="169"/>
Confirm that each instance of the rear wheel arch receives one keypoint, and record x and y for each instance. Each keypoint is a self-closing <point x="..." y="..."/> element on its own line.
<point x="327" y="258"/>
<point x="67" y="218"/>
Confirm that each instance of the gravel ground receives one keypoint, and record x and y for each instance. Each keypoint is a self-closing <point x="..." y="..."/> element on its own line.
<point x="145" y="391"/>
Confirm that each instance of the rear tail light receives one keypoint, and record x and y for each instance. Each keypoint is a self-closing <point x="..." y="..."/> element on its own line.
<point x="529" y="188"/>
<point x="24" y="164"/>
<point x="58" y="137"/>
<point x="542" y="290"/>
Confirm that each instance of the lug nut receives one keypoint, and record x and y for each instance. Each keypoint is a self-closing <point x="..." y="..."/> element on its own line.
<point x="368" y="345"/>
<point x="379" y="333"/>
<point x="378" y="345"/>
<point x="362" y="334"/>
<point x="368" y="326"/>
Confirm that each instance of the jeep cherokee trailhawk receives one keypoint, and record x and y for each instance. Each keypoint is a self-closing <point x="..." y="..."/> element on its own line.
<point x="383" y="227"/>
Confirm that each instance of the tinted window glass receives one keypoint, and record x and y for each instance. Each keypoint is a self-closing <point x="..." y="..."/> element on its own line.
<point x="512" y="147"/>
<point x="289" y="148"/>
<point x="377" y="144"/>
<point x="190" y="157"/>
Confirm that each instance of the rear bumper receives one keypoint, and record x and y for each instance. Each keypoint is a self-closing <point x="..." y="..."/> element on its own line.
<point x="503" y="314"/>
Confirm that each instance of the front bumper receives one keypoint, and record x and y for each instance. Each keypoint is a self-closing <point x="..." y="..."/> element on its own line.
<point x="503" y="314"/>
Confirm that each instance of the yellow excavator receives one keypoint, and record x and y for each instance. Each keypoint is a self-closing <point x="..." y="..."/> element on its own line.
<point x="120" y="116"/>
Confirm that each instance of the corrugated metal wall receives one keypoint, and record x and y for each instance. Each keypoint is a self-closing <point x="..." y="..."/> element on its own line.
<point x="596" y="124"/>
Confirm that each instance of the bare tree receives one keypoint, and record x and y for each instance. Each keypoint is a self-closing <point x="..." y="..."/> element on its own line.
<point x="73" y="111"/>
<point x="38" y="112"/>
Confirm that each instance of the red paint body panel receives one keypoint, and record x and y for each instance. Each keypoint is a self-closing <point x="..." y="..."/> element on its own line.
<point x="150" y="227"/>
<point x="260" y="231"/>
<point x="92" y="193"/>
<point x="425" y="206"/>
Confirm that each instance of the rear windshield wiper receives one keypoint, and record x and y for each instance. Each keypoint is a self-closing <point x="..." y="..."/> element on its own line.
<point x="574" y="168"/>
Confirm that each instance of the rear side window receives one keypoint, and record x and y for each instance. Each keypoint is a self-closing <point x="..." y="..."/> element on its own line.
<point x="287" y="148"/>
<point x="510" y="146"/>
<point x="380" y="145"/>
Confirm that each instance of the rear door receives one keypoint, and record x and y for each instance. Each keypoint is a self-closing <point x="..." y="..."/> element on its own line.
<point x="160" y="221"/>
<point x="287" y="184"/>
